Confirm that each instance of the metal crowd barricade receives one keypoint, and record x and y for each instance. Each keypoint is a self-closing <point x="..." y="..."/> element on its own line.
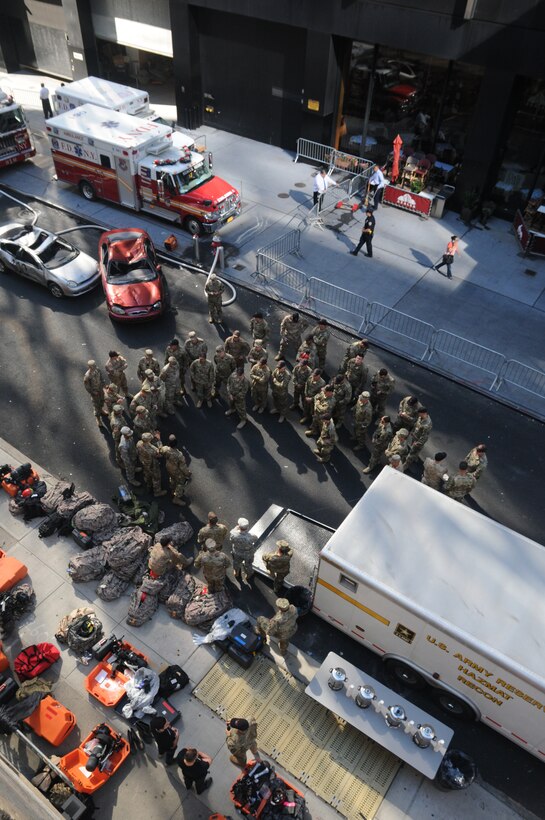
<point x="314" y="151"/>
<point x="398" y="330"/>
<point x="522" y="376"/>
<point x="287" y="243"/>
<point x="343" y="306"/>
<point x="469" y="353"/>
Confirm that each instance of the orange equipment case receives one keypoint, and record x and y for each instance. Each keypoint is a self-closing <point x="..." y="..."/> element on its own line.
<point x="11" y="571"/>
<point x="103" y="686"/>
<point x="13" y="489"/>
<point x="73" y="765"/>
<point x="51" y="720"/>
<point x="256" y="813"/>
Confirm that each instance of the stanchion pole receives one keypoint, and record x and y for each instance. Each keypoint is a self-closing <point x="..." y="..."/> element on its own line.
<point x="196" y="247"/>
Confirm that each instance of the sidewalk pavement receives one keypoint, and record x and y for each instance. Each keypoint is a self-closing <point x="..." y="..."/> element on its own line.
<point x="158" y="789"/>
<point x="496" y="297"/>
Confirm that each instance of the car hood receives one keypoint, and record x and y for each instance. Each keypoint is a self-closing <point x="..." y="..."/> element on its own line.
<point x="215" y="189"/>
<point x="80" y="269"/>
<point x="136" y="295"/>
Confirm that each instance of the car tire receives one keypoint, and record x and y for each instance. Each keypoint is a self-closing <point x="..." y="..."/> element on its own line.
<point x="193" y="226"/>
<point x="405" y="674"/>
<point x="87" y="191"/>
<point x="55" y="290"/>
<point x="455" y="707"/>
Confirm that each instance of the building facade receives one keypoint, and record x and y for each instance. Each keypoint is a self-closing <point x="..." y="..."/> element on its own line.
<point x="460" y="80"/>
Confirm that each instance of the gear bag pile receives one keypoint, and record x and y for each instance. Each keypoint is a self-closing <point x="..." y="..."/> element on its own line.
<point x="125" y="550"/>
<point x="179" y="533"/>
<point x="55" y="494"/>
<point x="68" y="507"/>
<point x="87" y="566"/>
<point x="182" y="594"/>
<point x="206" y="607"/>
<point x="145" y="601"/>
<point x="96" y="519"/>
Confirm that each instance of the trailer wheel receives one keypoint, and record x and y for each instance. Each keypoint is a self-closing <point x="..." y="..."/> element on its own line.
<point x="87" y="190"/>
<point x="455" y="707"/>
<point x="405" y="674"/>
<point x="193" y="226"/>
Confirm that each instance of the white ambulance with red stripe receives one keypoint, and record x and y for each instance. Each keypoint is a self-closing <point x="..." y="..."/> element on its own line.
<point x="15" y="142"/>
<point x="450" y="599"/>
<point x="120" y="158"/>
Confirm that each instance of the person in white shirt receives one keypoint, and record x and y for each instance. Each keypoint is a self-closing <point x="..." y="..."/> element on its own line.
<point x="46" y="105"/>
<point x="376" y="184"/>
<point x="321" y="183"/>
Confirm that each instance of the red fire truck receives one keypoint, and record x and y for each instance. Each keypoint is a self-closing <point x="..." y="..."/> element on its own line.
<point x="124" y="159"/>
<point x="15" y="142"/>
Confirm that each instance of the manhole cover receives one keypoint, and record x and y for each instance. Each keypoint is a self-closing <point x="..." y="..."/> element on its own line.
<point x="299" y="184"/>
<point x="239" y="267"/>
<point x="529" y="272"/>
<point x="283" y="196"/>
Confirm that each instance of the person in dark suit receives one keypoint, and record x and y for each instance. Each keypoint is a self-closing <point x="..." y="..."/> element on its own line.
<point x="367" y="233"/>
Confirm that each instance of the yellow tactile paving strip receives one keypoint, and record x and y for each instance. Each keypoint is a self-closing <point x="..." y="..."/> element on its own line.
<point x="337" y="762"/>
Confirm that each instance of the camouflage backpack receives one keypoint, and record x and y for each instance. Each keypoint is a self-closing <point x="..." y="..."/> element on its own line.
<point x="87" y="566"/>
<point x="83" y="633"/>
<point x="145" y="601"/>
<point x="94" y="518"/>
<point x="125" y="550"/>
<point x="68" y="507"/>
<point x="179" y="533"/>
<point x="112" y="587"/>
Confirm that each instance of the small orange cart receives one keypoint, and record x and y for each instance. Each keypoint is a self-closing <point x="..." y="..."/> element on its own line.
<point x="51" y="720"/>
<point x="73" y="764"/>
<point x="107" y="684"/>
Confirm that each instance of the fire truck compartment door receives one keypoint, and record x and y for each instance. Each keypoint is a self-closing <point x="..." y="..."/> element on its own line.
<point x="125" y="182"/>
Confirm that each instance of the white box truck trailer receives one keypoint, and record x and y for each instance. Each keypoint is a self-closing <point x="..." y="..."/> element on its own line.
<point x="450" y="599"/>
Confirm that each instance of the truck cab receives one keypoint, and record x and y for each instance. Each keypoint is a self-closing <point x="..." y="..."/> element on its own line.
<point x="15" y="142"/>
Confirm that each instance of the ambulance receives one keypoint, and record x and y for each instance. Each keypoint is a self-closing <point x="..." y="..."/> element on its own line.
<point x="15" y="142"/>
<point x="450" y="600"/>
<point x="132" y="162"/>
<point x="116" y="97"/>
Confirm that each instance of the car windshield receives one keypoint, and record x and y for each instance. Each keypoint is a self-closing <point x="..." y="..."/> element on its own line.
<point x="11" y="120"/>
<point x="58" y="253"/>
<point x="191" y="178"/>
<point x="130" y="273"/>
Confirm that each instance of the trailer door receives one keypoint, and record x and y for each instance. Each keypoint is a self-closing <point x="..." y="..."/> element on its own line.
<point x="125" y="182"/>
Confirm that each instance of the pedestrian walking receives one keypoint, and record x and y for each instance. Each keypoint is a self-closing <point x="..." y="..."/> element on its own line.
<point x="448" y="256"/>
<point x="214" y="565"/>
<point x="282" y="626"/>
<point x="241" y="738"/>
<point x="477" y="460"/>
<point x="377" y="184"/>
<point x="243" y="547"/>
<point x="165" y="736"/>
<point x="278" y="564"/>
<point x="460" y="485"/>
<point x="322" y="181"/>
<point x="434" y="471"/>
<point x="194" y="766"/>
<point x="367" y="233"/>
<point x="214" y="288"/>
<point x="44" y="99"/>
<point x="292" y="328"/>
<point x="93" y="381"/>
<point x="237" y="387"/>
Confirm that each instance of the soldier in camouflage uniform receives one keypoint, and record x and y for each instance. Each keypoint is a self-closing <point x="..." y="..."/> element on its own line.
<point x="112" y="396"/>
<point x="419" y="436"/>
<point x="163" y="558"/>
<point x="314" y="385"/>
<point x="407" y="413"/>
<point x="382" y="384"/>
<point x="326" y="441"/>
<point x="141" y="399"/>
<point x="93" y="381"/>
<point x="193" y="348"/>
<point x="259" y="327"/>
<point x="278" y="564"/>
<point x="128" y="457"/>
<point x="117" y="421"/>
<point x="160" y="395"/>
<point x="260" y="377"/>
<point x="280" y="380"/>
<point x="282" y="626"/>
<point x="257" y="352"/>
<point x="214" y="288"/>
<point x="380" y="441"/>
<point x="177" y="470"/>
<point x="170" y="375"/>
<point x="399" y="445"/>
<point x="241" y="738"/>
<point x="202" y="375"/>
<point x="477" y="460"/>
<point x="225" y="365"/>
<point x="324" y="405"/>
<point x="460" y="485"/>
<point x="357" y="348"/>
<point x="149" y="455"/>
<point x="357" y="373"/>
<point x="115" y="368"/>
<point x="434" y="471"/>
<point x="141" y="422"/>
<point x="243" y="546"/>
<point x="301" y="374"/>
<point x="342" y="392"/>
<point x="174" y="349"/>
<point x="237" y="347"/>
<point x="147" y="362"/>
<point x="363" y="416"/>
<point x="321" y="334"/>
<point x="308" y="347"/>
<point x="214" y="565"/>
<point x="237" y="387"/>
<point x="154" y="405"/>
<point x="214" y="530"/>
<point x="292" y="328"/>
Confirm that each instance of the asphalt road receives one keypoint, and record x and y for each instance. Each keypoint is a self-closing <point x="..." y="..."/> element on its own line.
<point x="46" y="413"/>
